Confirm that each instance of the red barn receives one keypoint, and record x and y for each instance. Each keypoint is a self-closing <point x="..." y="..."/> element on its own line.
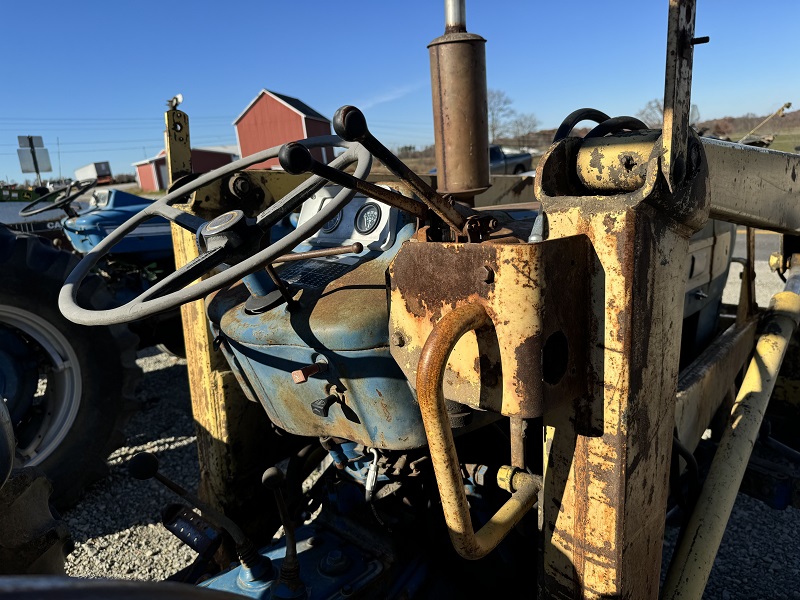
<point x="151" y="174"/>
<point x="272" y="119"/>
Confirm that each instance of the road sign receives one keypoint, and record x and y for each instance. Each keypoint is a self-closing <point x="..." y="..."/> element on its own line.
<point x="27" y="163"/>
<point x="30" y="141"/>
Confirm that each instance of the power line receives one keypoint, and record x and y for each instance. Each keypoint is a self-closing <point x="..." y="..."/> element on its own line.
<point x="112" y="119"/>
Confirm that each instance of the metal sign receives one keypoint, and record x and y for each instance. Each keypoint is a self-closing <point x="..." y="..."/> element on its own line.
<point x="26" y="141"/>
<point x="27" y="163"/>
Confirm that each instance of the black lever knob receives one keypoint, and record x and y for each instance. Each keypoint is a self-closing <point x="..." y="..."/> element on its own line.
<point x="295" y="158"/>
<point x="350" y="124"/>
<point x="272" y="478"/>
<point x="322" y="406"/>
<point x="143" y="465"/>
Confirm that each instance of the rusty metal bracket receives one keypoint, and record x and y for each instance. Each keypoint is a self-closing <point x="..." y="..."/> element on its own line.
<point x="678" y="91"/>
<point x="538" y="301"/>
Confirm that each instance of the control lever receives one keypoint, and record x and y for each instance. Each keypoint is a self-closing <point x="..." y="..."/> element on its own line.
<point x="295" y="159"/>
<point x="354" y="248"/>
<point x="289" y="584"/>
<point x="144" y="465"/>
<point x="351" y="125"/>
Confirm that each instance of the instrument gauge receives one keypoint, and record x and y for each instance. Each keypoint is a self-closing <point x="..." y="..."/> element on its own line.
<point x="367" y="218"/>
<point x="333" y="223"/>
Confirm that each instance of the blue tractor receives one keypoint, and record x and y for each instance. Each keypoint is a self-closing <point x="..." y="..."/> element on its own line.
<point x="69" y="389"/>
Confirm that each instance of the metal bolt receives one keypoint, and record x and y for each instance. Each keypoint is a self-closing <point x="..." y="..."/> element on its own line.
<point x="486" y="274"/>
<point x="700" y="40"/>
<point x="334" y="563"/>
<point x="240" y="185"/>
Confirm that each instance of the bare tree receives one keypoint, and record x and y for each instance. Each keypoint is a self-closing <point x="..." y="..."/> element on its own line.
<point x="522" y="126"/>
<point x="499" y="112"/>
<point x="653" y="114"/>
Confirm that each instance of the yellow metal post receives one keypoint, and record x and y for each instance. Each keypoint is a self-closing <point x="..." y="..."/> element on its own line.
<point x="231" y="430"/>
<point x="606" y="474"/>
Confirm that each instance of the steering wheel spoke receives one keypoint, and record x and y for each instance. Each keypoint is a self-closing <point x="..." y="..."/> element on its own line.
<point x="181" y="218"/>
<point x="188" y="273"/>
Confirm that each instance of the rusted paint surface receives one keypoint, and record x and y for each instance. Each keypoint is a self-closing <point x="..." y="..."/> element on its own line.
<point x="616" y="163"/>
<point x="607" y="454"/>
<point x="458" y="86"/>
<point x="678" y="92"/>
<point x="605" y="494"/>
<point x="530" y="291"/>
<point x="178" y="145"/>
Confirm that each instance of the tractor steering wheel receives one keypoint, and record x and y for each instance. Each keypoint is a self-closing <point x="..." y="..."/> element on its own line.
<point x="79" y="186"/>
<point x="229" y="239"/>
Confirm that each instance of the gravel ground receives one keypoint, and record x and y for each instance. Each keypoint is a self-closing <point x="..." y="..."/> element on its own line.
<point x="118" y="533"/>
<point x="117" y="526"/>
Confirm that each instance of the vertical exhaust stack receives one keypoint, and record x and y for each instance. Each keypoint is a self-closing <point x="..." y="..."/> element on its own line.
<point x="460" y="121"/>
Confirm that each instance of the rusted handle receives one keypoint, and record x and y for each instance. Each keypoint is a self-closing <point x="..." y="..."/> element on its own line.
<point x="430" y="395"/>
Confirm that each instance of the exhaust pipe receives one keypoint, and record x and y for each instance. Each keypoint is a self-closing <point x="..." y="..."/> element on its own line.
<point x="460" y="119"/>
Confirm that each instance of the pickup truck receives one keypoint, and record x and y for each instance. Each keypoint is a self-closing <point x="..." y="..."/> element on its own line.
<point x="501" y="163"/>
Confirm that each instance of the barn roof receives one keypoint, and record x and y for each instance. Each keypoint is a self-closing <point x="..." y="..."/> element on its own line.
<point x="298" y="106"/>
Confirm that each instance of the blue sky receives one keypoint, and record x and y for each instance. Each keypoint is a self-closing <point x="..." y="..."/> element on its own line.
<point x="93" y="77"/>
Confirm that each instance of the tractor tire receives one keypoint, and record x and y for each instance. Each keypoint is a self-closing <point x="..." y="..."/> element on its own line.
<point x="34" y="541"/>
<point x="69" y="388"/>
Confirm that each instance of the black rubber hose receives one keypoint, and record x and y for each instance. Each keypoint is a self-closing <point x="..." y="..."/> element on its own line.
<point x="582" y="114"/>
<point x="614" y="125"/>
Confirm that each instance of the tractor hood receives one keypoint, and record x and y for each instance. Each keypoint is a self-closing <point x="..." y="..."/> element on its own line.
<point x="108" y="210"/>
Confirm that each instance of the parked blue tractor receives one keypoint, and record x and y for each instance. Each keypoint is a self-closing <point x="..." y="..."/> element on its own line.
<point x="68" y="388"/>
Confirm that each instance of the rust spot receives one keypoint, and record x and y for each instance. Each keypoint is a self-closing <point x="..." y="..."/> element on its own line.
<point x="529" y="366"/>
<point x="596" y="161"/>
<point x="422" y="297"/>
<point x="610" y="222"/>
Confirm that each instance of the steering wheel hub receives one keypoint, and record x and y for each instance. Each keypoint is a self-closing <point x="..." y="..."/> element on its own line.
<point x="223" y="222"/>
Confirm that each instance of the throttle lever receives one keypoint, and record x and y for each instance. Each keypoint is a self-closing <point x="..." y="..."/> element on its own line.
<point x="295" y="159"/>
<point x="351" y="125"/>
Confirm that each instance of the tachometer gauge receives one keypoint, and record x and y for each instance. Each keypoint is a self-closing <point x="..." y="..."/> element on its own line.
<point x="367" y="218"/>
